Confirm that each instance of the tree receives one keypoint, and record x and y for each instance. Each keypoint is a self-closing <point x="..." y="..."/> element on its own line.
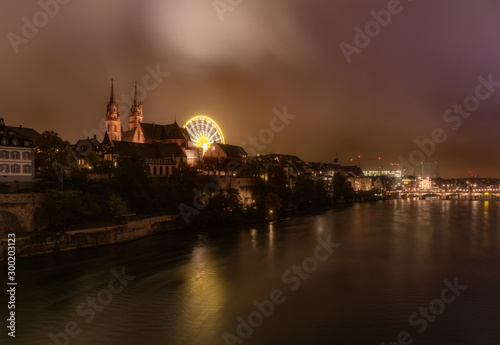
<point x="251" y="168"/>
<point x="51" y="151"/>
<point x="117" y="206"/>
<point x="232" y="200"/>
<point x="273" y="203"/>
<point x="278" y="183"/>
<point x="320" y="195"/>
<point x="63" y="208"/>
<point x="101" y="166"/>
<point x="212" y="165"/>
<point x="303" y="192"/>
<point x="342" y="188"/>
<point x="132" y="181"/>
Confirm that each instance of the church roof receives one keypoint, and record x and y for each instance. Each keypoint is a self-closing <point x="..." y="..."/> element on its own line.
<point x="153" y="131"/>
<point x="128" y="135"/>
<point x="156" y="150"/>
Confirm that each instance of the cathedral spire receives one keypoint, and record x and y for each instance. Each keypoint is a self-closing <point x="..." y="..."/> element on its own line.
<point x="113" y="122"/>
<point x="136" y="97"/>
<point x="112" y="95"/>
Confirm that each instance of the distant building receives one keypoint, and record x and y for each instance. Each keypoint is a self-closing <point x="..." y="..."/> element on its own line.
<point x="325" y="172"/>
<point x="351" y="171"/>
<point x="243" y="185"/>
<point x="430" y="170"/>
<point x="361" y="183"/>
<point x="17" y="167"/>
<point x="425" y="184"/>
<point x="84" y="147"/>
<point x="382" y="183"/>
<point x="409" y="184"/>
<point x="389" y="173"/>
<point x="226" y="151"/>
<point x="161" y="159"/>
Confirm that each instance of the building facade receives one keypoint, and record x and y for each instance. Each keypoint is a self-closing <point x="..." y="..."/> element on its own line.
<point x="17" y="166"/>
<point x="161" y="159"/>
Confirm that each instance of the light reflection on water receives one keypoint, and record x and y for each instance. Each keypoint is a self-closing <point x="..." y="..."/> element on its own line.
<point x="190" y="287"/>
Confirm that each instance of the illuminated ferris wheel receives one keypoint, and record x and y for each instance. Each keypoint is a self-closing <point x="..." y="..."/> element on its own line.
<point x="204" y="131"/>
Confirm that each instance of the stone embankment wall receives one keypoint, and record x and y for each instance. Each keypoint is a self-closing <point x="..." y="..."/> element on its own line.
<point x="69" y="240"/>
<point x="17" y="211"/>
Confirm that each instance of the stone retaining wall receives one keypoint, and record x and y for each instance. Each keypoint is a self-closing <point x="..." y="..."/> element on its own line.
<point x="69" y="240"/>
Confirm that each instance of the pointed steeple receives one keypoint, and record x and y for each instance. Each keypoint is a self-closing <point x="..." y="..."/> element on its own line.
<point x="112" y="95"/>
<point x="136" y="97"/>
<point x="135" y="117"/>
<point x="113" y="121"/>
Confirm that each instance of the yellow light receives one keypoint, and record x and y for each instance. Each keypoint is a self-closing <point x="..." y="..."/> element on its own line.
<point x="204" y="131"/>
<point x="209" y="120"/>
<point x="204" y="144"/>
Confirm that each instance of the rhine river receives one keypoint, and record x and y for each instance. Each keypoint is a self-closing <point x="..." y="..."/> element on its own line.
<point x="423" y="271"/>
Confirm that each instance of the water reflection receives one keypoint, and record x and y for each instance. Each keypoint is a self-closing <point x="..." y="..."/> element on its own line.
<point x="201" y="297"/>
<point x="191" y="287"/>
<point x="253" y="233"/>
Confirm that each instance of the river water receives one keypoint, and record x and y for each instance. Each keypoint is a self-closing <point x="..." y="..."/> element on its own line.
<point x="388" y="260"/>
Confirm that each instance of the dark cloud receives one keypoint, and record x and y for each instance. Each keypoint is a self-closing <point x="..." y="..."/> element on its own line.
<point x="266" y="54"/>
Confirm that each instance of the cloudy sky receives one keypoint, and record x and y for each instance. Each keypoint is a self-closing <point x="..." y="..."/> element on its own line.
<point x="236" y="64"/>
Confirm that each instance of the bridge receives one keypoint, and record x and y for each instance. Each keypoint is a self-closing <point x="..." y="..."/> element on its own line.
<point x="17" y="212"/>
<point x="472" y="194"/>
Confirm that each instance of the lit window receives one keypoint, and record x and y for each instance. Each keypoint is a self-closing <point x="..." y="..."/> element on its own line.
<point x="4" y="168"/>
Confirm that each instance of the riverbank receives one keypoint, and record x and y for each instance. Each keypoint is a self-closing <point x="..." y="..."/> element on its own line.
<point x="45" y="243"/>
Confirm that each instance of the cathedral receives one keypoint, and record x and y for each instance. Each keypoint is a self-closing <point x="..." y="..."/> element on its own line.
<point x="141" y="137"/>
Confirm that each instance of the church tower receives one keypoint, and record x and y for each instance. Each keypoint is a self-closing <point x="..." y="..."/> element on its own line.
<point x="135" y="112"/>
<point x="113" y="123"/>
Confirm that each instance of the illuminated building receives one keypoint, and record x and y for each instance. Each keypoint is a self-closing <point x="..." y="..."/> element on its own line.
<point x="140" y="132"/>
<point x="17" y="167"/>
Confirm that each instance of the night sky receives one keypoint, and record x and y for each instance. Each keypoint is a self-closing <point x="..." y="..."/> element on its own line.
<point x="265" y="55"/>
